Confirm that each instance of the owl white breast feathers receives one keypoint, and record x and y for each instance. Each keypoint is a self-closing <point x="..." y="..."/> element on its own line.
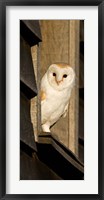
<point x="56" y="87"/>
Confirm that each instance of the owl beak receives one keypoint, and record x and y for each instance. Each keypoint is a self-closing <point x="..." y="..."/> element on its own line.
<point x="58" y="82"/>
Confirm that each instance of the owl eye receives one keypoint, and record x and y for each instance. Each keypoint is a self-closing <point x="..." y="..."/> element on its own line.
<point x="54" y="74"/>
<point x="65" y="75"/>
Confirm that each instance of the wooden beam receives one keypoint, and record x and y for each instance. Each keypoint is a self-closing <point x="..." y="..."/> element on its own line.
<point x="74" y="35"/>
<point x="33" y="103"/>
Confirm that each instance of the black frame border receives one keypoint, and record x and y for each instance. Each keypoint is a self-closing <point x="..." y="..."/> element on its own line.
<point x="3" y="4"/>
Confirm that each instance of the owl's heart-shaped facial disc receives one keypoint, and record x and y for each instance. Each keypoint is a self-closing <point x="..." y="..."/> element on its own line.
<point x="60" y="76"/>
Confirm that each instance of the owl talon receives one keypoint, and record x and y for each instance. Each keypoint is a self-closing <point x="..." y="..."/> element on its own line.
<point x="45" y="128"/>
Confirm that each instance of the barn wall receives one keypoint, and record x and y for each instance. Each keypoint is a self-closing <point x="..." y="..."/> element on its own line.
<point x="60" y="43"/>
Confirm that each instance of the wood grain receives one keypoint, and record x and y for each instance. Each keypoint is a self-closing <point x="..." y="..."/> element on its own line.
<point x="33" y="103"/>
<point x="74" y="30"/>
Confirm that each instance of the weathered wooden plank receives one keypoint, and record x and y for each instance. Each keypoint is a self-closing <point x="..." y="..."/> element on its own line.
<point x="74" y="27"/>
<point x="26" y="127"/>
<point x="30" y="31"/>
<point x="51" y="28"/>
<point x="28" y="83"/>
<point x="60" y="43"/>
<point x="81" y="69"/>
<point x="33" y="103"/>
<point x="54" y="48"/>
<point x="31" y="168"/>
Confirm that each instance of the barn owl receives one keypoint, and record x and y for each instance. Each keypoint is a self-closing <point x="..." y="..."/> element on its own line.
<point x="56" y="87"/>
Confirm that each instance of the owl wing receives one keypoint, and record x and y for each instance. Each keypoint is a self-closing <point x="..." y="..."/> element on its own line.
<point x="42" y="95"/>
